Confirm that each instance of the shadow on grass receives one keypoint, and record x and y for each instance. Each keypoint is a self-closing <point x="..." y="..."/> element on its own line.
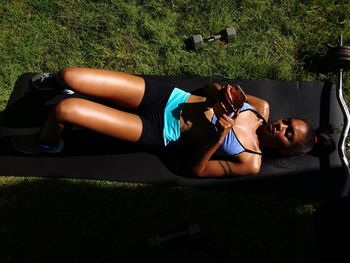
<point x="319" y="64"/>
<point x="332" y="222"/>
<point x="51" y="220"/>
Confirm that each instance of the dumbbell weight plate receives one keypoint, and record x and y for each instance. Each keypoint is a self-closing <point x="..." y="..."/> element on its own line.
<point x="197" y="42"/>
<point x="228" y="34"/>
<point x="338" y="51"/>
<point x="338" y="57"/>
<point x="339" y="48"/>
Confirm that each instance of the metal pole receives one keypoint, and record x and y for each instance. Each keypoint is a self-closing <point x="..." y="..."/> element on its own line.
<point x="343" y="135"/>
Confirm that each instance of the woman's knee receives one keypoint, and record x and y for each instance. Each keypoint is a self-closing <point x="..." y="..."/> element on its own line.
<point x="67" y="108"/>
<point x="69" y="76"/>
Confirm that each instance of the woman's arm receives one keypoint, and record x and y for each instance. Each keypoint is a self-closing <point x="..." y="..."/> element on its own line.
<point x="262" y="106"/>
<point x="204" y="167"/>
<point x="220" y="168"/>
<point x="210" y="91"/>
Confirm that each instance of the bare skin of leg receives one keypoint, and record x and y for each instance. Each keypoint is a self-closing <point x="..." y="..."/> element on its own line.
<point x="122" y="89"/>
<point x="119" y="88"/>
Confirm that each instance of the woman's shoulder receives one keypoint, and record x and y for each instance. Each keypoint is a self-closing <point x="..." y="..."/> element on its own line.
<point x="260" y="105"/>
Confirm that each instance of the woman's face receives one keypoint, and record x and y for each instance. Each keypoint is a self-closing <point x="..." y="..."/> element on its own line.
<point x="284" y="135"/>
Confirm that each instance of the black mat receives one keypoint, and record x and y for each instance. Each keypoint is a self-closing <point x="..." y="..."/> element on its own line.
<point x="89" y="155"/>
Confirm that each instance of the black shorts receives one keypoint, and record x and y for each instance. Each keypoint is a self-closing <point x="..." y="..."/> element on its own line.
<point x="151" y="111"/>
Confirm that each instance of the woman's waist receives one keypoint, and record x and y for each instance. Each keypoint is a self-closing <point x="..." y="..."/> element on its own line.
<point x="195" y="112"/>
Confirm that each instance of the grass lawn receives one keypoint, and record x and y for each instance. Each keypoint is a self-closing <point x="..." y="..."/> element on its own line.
<point x="45" y="220"/>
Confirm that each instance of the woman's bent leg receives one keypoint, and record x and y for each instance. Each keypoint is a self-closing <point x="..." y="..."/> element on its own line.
<point x="93" y="116"/>
<point x="122" y="89"/>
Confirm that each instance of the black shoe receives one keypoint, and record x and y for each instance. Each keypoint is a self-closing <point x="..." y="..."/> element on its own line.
<point x="46" y="82"/>
<point x="28" y="144"/>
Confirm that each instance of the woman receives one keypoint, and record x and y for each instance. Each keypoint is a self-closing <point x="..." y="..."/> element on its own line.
<point x="157" y="117"/>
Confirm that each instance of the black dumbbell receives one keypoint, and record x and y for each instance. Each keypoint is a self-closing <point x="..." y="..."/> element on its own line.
<point x="337" y="58"/>
<point x="227" y="35"/>
<point x="157" y="240"/>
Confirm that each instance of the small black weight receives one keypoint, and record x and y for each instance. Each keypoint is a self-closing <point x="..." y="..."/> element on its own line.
<point x="189" y="231"/>
<point x="197" y="42"/>
<point x="337" y="58"/>
<point x="227" y="35"/>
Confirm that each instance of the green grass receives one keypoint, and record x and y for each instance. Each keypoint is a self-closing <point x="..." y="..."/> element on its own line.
<point x="60" y="220"/>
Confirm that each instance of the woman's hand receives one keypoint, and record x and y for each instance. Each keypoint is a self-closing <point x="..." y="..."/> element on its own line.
<point x="203" y="166"/>
<point x="211" y="92"/>
<point x="222" y="105"/>
<point x="230" y="100"/>
<point x="224" y="125"/>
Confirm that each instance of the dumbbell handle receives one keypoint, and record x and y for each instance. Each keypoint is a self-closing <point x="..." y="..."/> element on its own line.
<point x="157" y="240"/>
<point x="172" y="236"/>
<point x="212" y="38"/>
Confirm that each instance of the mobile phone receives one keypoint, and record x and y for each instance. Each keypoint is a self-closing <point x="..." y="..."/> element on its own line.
<point x="239" y="97"/>
<point x="230" y="100"/>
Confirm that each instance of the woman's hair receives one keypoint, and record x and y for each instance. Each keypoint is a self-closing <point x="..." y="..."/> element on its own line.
<point x="308" y="142"/>
<point x="317" y="142"/>
<point x="324" y="143"/>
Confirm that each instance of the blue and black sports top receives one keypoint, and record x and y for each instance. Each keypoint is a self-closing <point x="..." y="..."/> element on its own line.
<point x="231" y="145"/>
<point x="172" y="113"/>
<point x="171" y="131"/>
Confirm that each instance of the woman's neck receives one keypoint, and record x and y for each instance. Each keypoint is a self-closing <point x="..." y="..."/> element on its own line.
<point x="262" y="142"/>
